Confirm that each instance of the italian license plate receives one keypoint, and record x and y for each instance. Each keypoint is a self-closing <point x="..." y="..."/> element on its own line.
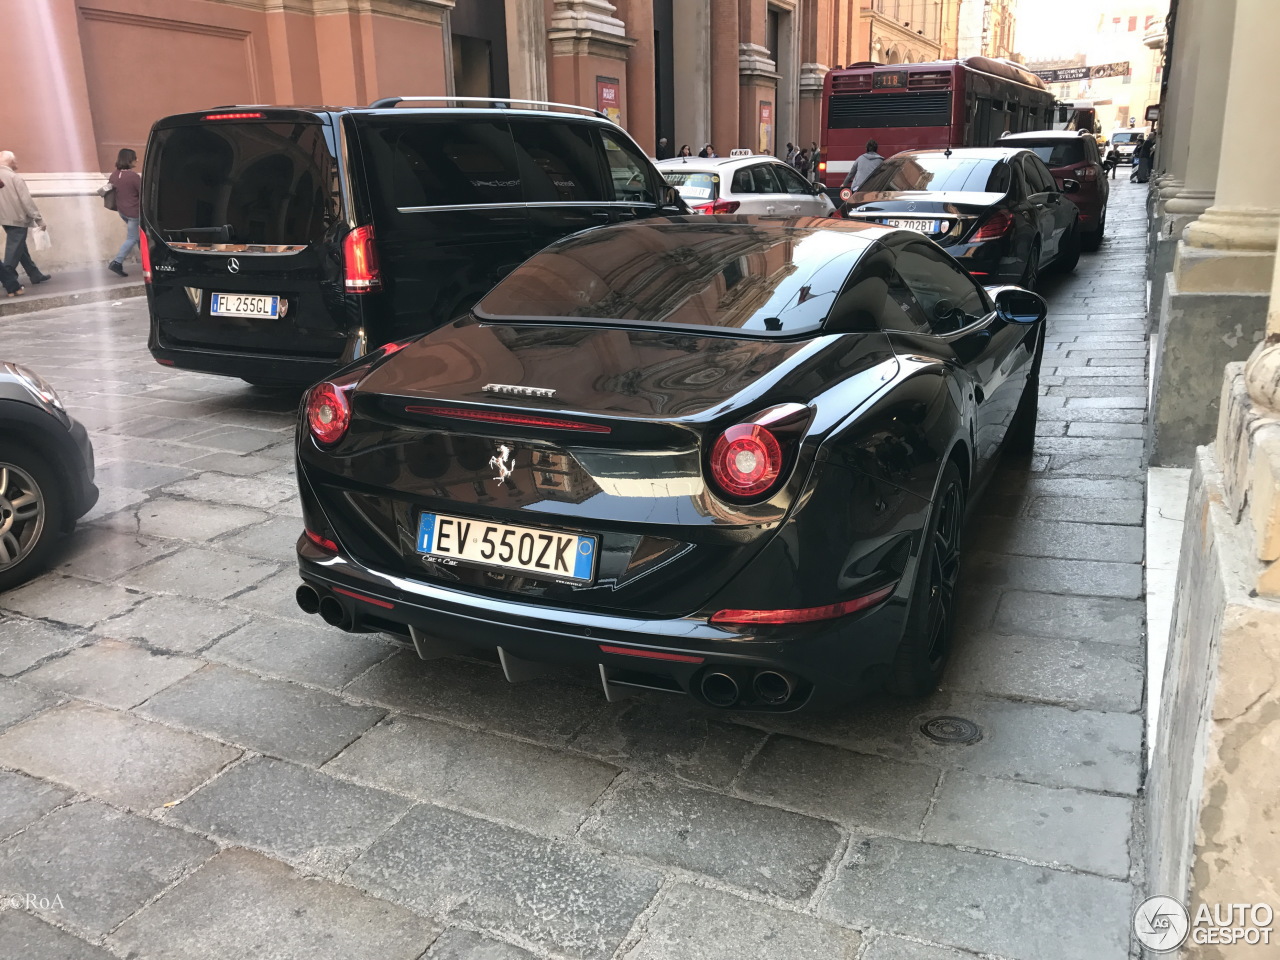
<point x="920" y="226"/>
<point x="546" y="553"/>
<point x="244" y="305"/>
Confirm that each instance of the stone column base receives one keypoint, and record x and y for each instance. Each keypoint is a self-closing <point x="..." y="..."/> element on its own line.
<point x="1200" y="333"/>
<point x="1212" y="834"/>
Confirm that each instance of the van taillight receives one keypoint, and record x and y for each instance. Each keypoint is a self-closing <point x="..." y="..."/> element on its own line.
<point x="144" y="251"/>
<point x="360" y="261"/>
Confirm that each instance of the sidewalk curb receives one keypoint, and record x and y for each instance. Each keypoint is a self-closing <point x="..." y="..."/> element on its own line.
<point x="30" y="304"/>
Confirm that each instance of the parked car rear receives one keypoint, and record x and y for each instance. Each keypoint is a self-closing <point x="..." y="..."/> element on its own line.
<point x="760" y="185"/>
<point x="280" y="242"/>
<point x="1072" y="155"/>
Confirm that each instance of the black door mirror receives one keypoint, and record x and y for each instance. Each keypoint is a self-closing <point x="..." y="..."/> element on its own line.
<point x="1070" y="186"/>
<point x="1015" y="305"/>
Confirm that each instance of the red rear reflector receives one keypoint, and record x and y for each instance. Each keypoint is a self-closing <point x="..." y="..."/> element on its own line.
<point x="324" y="543"/>
<point x="167" y="363"/>
<point x="651" y="654"/>
<point x="804" y="614"/>
<point x="717" y="206"/>
<point x="385" y="604"/>
<point x="233" y="116"/>
<point x="996" y="226"/>
<point x="144" y="251"/>
<point x="512" y="419"/>
<point x="360" y="261"/>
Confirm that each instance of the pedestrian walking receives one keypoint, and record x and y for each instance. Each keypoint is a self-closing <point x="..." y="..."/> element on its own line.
<point x="18" y="213"/>
<point x="685" y="151"/>
<point x="815" y="155"/>
<point x="128" y="187"/>
<point x="663" y="152"/>
<point x="791" y="154"/>
<point x="802" y="163"/>
<point x="863" y="167"/>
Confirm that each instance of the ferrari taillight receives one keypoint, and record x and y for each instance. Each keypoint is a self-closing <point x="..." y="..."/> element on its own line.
<point x="360" y="261"/>
<point x="746" y="460"/>
<point x="995" y="226"/>
<point x="328" y="412"/>
<point x="717" y="206"/>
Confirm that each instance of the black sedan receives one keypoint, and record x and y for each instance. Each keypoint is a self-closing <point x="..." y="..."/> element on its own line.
<point x="725" y="456"/>
<point x="998" y="211"/>
<point x="46" y="473"/>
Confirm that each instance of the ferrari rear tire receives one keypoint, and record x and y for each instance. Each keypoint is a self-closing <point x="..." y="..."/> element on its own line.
<point x="926" y="638"/>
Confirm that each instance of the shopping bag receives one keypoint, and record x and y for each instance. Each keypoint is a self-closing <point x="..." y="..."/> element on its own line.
<point x="38" y="239"/>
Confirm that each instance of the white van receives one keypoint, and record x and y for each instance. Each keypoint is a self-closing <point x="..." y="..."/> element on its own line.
<point x="1126" y="140"/>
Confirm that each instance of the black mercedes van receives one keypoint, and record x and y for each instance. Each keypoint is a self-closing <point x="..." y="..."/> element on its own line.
<point x="281" y="242"/>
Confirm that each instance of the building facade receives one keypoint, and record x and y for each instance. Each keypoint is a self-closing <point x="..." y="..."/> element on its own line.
<point x="986" y="28"/>
<point x="1212" y="833"/>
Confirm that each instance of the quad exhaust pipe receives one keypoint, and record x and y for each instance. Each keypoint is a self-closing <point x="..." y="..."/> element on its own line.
<point x="721" y="688"/>
<point x="332" y="611"/>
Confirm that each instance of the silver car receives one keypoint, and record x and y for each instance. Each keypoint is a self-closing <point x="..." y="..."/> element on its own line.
<point x="759" y="185"/>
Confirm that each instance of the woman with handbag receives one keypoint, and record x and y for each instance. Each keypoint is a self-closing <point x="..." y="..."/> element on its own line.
<point x="123" y="195"/>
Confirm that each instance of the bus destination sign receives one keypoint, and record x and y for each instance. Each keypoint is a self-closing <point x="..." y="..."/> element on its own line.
<point x="895" y="79"/>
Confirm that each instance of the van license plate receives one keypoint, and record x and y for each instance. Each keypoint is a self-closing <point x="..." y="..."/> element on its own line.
<point x="240" y="305"/>
<point x="544" y="553"/>
<point x="920" y="226"/>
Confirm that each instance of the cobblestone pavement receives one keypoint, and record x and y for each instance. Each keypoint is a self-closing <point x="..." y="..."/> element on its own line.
<point x="189" y="767"/>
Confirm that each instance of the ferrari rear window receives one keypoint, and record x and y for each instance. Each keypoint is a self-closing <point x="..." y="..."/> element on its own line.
<point x="713" y="273"/>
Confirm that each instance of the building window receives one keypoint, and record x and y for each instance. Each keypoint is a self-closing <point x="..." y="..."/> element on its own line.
<point x="1133" y="24"/>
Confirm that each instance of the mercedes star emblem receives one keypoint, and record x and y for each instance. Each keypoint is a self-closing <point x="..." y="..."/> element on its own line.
<point x="233" y="265"/>
<point x="911" y="206"/>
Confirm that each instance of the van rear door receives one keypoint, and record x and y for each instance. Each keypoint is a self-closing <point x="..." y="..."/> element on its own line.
<point x="244" y="210"/>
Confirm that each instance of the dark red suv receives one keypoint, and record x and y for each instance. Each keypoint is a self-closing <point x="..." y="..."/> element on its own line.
<point x="1072" y="155"/>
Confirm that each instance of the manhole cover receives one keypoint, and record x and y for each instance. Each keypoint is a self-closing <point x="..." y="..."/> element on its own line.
<point x="951" y="730"/>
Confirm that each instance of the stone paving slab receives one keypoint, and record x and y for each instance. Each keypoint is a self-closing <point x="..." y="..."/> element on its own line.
<point x="546" y="791"/>
<point x="748" y="845"/>
<point x="695" y="923"/>
<point x="19" y="700"/>
<point x="1067" y="541"/>
<point x="978" y="902"/>
<point x="680" y="739"/>
<point x="198" y="572"/>
<point x="111" y="672"/>
<point x="1095" y="676"/>
<point x="69" y="600"/>
<point x="101" y="863"/>
<point x="550" y="894"/>
<point x="197" y="522"/>
<point x="1101" y="619"/>
<point x="311" y="819"/>
<point x="1088" y="578"/>
<point x="24" y="937"/>
<point x="858" y="790"/>
<point x="458" y="944"/>
<point x="24" y="643"/>
<point x="263" y="492"/>
<point x="102" y="553"/>
<point x="1127" y="512"/>
<point x="181" y="624"/>
<point x="1032" y="742"/>
<point x="116" y="756"/>
<point x="548" y="711"/>
<point x="1069" y="828"/>
<point x="895" y="948"/>
<point x="24" y="800"/>
<point x="275" y="539"/>
<point x="273" y="717"/>
<point x="241" y="904"/>
<point x="310" y="652"/>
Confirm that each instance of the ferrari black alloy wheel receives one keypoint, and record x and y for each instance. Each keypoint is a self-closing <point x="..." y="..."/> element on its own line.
<point x="926" y="641"/>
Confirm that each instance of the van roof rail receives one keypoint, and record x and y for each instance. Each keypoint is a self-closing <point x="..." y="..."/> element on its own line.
<point x="498" y="102"/>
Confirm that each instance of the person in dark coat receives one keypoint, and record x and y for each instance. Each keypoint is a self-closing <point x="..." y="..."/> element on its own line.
<point x="128" y="186"/>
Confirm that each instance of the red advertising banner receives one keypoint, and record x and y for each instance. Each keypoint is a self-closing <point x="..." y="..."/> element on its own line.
<point x="609" y="98"/>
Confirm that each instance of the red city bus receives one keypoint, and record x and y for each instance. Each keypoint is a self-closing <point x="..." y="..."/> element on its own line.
<point x="911" y="106"/>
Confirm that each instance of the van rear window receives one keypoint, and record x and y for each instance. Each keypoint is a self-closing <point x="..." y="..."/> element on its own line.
<point x="242" y="183"/>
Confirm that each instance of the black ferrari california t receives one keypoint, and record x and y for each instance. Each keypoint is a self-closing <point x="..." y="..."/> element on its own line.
<point x="725" y="456"/>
